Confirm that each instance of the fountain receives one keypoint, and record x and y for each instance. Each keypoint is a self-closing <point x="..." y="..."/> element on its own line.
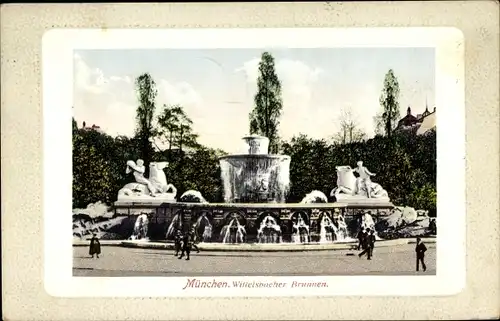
<point x="203" y="227"/>
<point x="175" y="224"/>
<point x="269" y="231"/>
<point x="234" y="232"/>
<point x="255" y="185"/>
<point x="300" y="230"/>
<point x="342" y="233"/>
<point x="140" y="228"/>
<point x="255" y="177"/>
<point x="328" y="230"/>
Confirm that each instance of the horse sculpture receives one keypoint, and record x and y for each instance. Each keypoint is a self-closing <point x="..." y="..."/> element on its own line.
<point x="347" y="184"/>
<point x="154" y="186"/>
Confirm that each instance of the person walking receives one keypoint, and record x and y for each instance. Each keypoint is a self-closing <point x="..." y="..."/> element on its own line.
<point x="177" y="242"/>
<point x="361" y="239"/>
<point x="95" y="246"/>
<point x="368" y="244"/>
<point x="420" y="249"/>
<point x="371" y="244"/>
<point x="186" y="246"/>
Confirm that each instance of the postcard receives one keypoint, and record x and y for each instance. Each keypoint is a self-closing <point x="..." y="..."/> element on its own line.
<point x="254" y="162"/>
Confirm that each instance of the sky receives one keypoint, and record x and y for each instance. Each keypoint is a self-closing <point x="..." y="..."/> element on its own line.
<point x="217" y="86"/>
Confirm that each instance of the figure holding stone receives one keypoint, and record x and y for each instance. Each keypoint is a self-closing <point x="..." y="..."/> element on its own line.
<point x="364" y="178"/>
<point x="352" y="188"/>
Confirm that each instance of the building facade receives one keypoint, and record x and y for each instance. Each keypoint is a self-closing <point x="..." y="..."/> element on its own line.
<point x="419" y="124"/>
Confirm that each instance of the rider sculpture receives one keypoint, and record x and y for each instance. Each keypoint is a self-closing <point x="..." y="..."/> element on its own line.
<point x="153" y="187"/>
<point x="351" y="187"/>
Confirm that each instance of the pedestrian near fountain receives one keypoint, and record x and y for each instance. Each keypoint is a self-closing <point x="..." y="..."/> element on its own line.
<point x="186" y="246"/>
<point x="371" y="243"/>
<point x="177" y="242"/>
<point x="95" y="246"/>
<point x="361" y="239"/>
<point x="420" y="249"/>
<point x="368" y="244"/>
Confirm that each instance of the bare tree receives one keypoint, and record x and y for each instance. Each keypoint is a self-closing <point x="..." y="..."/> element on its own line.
<point x="349" y="131"/>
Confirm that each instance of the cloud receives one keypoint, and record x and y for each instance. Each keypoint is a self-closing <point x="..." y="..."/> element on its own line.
<point x="102" y="99"/>
<point x="180" y="93"/>
<point x="297" y="78"/>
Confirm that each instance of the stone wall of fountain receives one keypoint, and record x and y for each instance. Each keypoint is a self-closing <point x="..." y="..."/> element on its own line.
<point x="255" y="176"/>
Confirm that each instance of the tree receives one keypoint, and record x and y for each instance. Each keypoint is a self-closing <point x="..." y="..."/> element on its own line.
<point x="74" y="126"/>
<point x="97" y="168"/>
<point x="175" y="128"/>
<point x="264" y="118"/>
<point x="146" y="94"/>
<point x="349" y="131"/>
<point x="389" y="100"/>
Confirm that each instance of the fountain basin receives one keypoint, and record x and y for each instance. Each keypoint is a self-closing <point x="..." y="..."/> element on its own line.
<point x="219" y="247"/>
<point x="209" y="219"/>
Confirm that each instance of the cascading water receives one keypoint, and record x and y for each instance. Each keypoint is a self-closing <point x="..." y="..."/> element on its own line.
<point x="367" y="222"/>
<point x="269" y="231"/>
<point x="140" y="228"/>
<point x="341" y="234"/>
<point x="300" y="231"/>
<point x="331" y="232"/>
<point x="204" y="223"/>
<point x="327" y="230"/>
<point x="174" y="225"/>
<point x="233" y="232"/>
<point x="255" y="177"/>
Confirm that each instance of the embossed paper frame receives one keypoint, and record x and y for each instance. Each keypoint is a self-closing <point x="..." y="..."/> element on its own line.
<point x="22" y="167"/>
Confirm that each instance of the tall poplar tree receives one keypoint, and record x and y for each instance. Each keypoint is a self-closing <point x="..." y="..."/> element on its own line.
<point x="264" y="118"/>
<point x="146" y="94"/>
<point x="386" y="121"/>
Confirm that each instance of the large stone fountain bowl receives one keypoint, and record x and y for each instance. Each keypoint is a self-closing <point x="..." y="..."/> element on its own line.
<point x="255" y="178"/>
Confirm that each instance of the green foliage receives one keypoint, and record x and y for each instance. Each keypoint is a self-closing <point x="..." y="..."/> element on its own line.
<point x="198" y="171"/>
<point x="98" y="166"/>
<point x="264" y="118"/>
<point x="424" y="197"/>
<point x="386" y="121"/>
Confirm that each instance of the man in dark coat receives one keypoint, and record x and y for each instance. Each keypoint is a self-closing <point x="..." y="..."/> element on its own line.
<point x="177" y="242"/>
<point x="186" y="246"/>
<point x="368" y="244"/>
<point x="361" y="239"/>
<point x="420" y="249"/>
<point x="95" y="246"/>
<point x="371" y="243"/>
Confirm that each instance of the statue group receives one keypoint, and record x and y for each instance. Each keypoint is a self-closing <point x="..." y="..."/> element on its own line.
<point x="154" y="187"/>
<point x="351" y="187"/>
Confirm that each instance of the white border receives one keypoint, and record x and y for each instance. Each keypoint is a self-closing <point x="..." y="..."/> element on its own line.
<point x="57" y="68"/>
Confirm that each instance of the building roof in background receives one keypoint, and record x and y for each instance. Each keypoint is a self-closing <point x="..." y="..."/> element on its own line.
<point x="428" y="123"/>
